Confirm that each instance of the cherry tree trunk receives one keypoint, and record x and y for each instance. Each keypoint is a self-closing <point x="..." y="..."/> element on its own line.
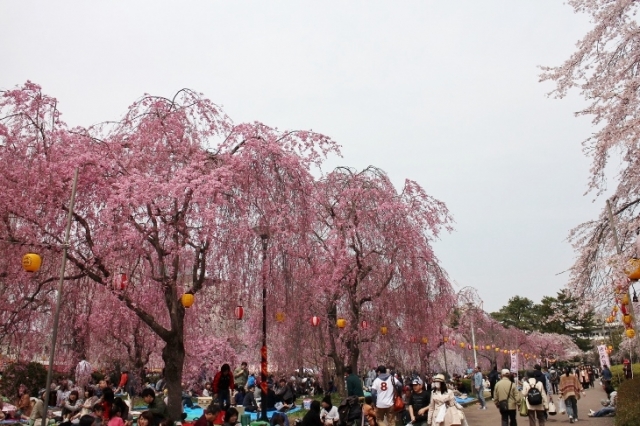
<point x="173" y="355"/>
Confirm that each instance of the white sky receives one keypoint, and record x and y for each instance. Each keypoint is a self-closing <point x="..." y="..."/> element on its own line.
<point x="442" y="92"/>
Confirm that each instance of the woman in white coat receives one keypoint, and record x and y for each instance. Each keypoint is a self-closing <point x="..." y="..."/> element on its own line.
<point x="441" y="399"/>
<point x="535" y="410"/>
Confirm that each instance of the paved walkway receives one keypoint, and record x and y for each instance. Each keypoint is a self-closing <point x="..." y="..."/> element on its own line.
<point x="491" y="416"/>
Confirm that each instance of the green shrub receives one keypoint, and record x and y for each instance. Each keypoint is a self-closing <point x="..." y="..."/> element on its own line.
<point x="618" y="374"/>
<point x="627" y="407"/>
<point x="33" y="375"/>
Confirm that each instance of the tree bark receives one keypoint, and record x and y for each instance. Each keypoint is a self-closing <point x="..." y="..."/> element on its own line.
<point x="173" y="355"/>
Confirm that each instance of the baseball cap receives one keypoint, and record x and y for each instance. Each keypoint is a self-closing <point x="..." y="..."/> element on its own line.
<point x="416" y="381"/>
<point x="505" y="372"/>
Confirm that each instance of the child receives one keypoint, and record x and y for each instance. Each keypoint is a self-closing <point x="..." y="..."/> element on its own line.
<point x="369" y="411"/>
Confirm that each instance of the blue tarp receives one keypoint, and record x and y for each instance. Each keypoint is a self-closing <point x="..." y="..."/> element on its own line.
<point x="465" y="401"/>
<point x="196" y="412"/>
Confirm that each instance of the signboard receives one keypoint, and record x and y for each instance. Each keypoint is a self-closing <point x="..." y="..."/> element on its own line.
<point x="514" y="362"/>
<point x="604" y="356"/>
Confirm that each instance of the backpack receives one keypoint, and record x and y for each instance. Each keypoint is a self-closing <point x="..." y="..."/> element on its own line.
<point x="534" y="397"/>
<point x="554" y="376"/>
<point x="350" y="411"/>
<point x="224" y="382"/>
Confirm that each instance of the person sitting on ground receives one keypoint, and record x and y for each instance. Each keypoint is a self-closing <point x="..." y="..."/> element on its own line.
<point x="23" y="404"/>
<point x="610" y="407"/>
<point x="155" y="405"/>
<point x="208" y="416"/>
<point x="279" y="419"/>
<point x="97" y="414"/>
<point x="230" y="417"/>
<point x="71" y="407"/>
<point x="238" y="398"/>
<point x="329" y="414"/>
<point x="187" y="396"/>
<point x="207" y="390"/>
<point x="312" y="418"/>
<point x="284" y="394"/>
<point x="249" y="402"/>
<point x="89" y="401"/>
<point x="369" y="411"/>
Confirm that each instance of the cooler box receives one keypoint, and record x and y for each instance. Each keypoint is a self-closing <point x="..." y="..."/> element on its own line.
<point x="204" y="401"/>
<point x="245" y="419"/>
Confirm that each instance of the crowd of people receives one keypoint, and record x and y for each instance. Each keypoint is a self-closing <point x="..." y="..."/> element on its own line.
<point x="391" y="398"/>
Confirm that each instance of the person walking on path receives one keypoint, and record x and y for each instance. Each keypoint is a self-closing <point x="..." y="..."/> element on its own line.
<point x="535" y="397"/>
<point x="478" y="384"/>
<point x="441" y="399"/>
<point x="606" y="376"/>
<point x="554" y="375"/>
<point x="506" y="391"/>
<point x="419" y="402"/>
<point x="354" y="384"/>
<point x="383" y="390"/>
<point x="494" y="376"/>
<point x="570" y="391"/>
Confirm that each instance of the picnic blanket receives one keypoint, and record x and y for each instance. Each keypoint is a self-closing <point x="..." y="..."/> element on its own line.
<point x="196" y="412"/>
<point x="464" y="401"/>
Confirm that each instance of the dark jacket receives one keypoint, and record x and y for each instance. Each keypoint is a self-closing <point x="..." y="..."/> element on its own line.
<point x="159" y="410"/>
<point x="354" y="386"/>
<point x="312" y="418"/>
<point x="250" y="401"/>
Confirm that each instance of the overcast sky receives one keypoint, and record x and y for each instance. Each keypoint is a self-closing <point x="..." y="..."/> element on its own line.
<point x="442" y="92"/>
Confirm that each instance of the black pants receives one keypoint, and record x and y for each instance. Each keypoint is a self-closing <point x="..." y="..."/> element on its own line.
<point x="224" y="399"/>
<point x="554" y="387"/>
<point x="509" y="418"/>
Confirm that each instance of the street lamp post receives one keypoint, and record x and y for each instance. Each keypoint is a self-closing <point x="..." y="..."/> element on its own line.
<point x="56" y="317"/>
<point x="263" y="232"/>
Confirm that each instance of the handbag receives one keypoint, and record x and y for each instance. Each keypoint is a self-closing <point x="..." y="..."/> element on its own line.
<point x="562" y="408"/>
<point x="504" y="405"/>
<point x="524" y="410"/>
<point x="398" y="403"/>
<point x="552" y="409"/>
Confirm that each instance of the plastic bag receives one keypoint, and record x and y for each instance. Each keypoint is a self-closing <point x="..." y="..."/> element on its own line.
<point x="562" y="408"/>
<point x="552" y="409"/>
<point x="441" y="414"/>
<point x="524" y="410"/>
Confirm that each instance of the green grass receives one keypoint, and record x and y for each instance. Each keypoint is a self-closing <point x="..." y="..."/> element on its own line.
<point x="618" y="375"/>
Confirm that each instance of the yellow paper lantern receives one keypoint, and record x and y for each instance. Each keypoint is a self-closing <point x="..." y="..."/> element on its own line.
<point x="31" y="262"/>
<point x="462" y="345"/>
<point x="626" y="319"/>
<point x="341" y="323"/>
<point x="487" y="347"/>
<point x="615" y="309"/>
<point x="475" y="347"/>
<point x="280" y="316"/>
<point x="630" y="333"/>
<point x="384" y="330"/>
<point x="625" y="299"/>
<point x="497" y="349"/>
<point x="187" y="300"/>
<point x="610" y="347"/>
<point x="424" y="341"/>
